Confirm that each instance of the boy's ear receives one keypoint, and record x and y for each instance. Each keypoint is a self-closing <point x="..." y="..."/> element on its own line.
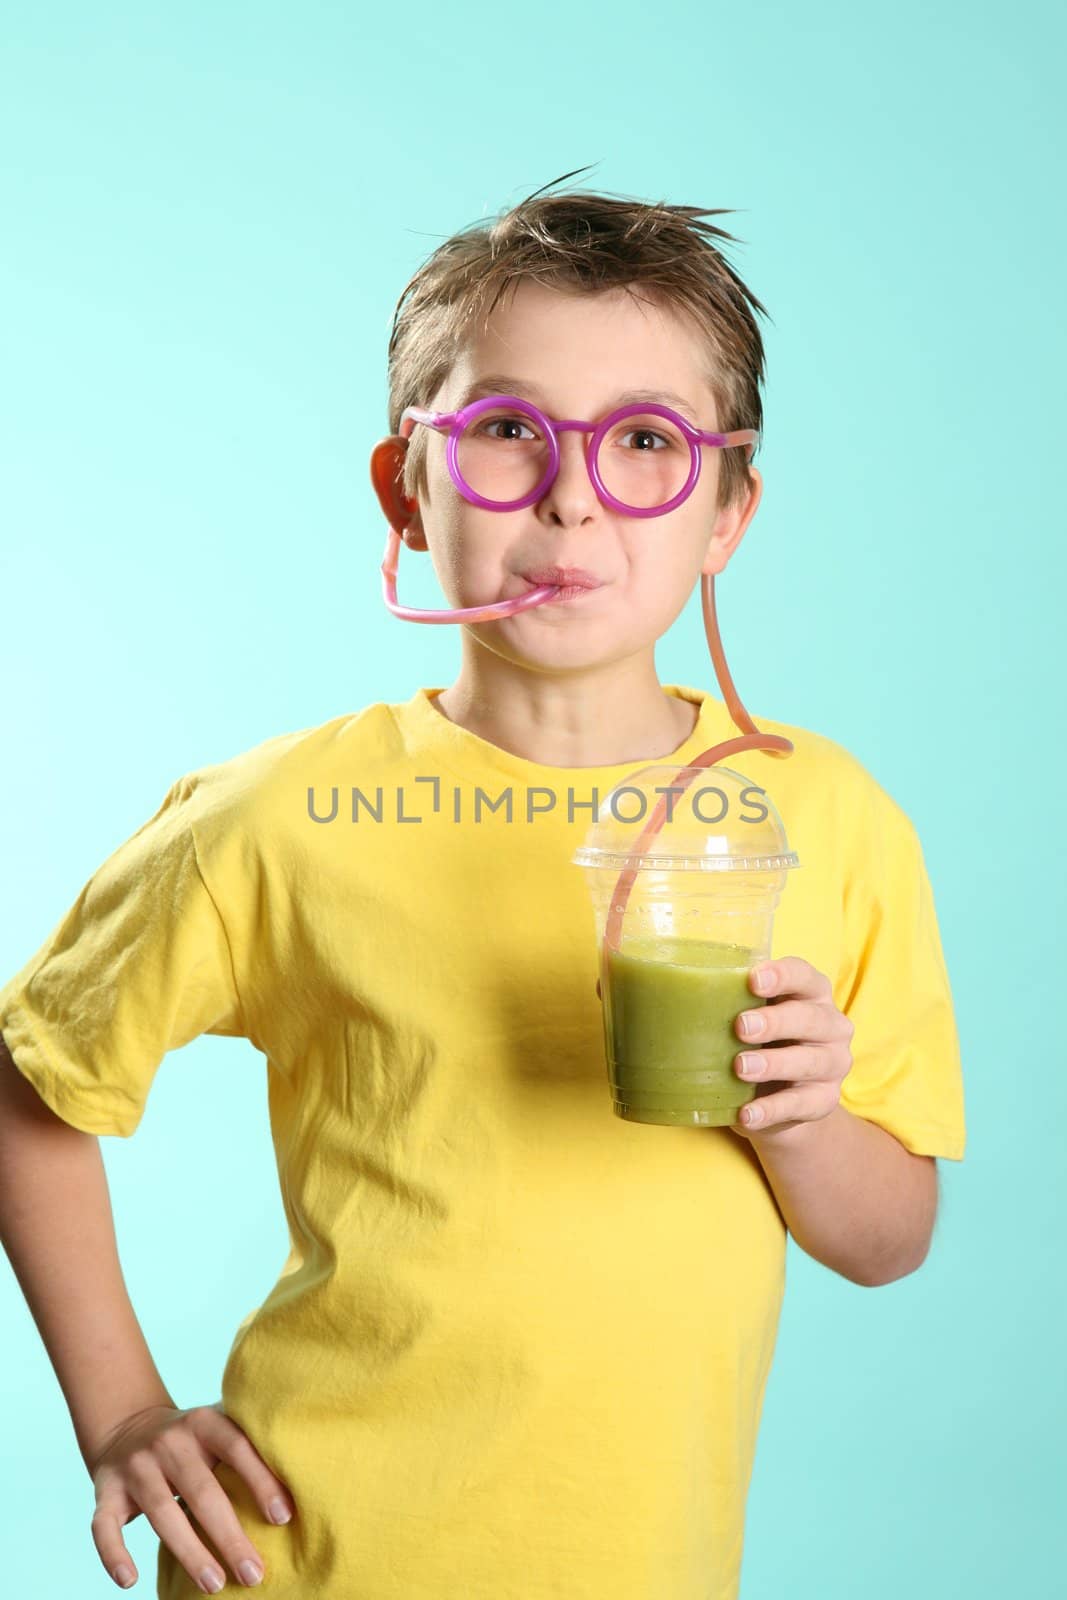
<point x="386" y="475"/>
<point x="730" y="524"/>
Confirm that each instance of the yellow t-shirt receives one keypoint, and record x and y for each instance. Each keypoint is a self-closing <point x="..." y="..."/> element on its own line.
<point x="519" y="1347"/>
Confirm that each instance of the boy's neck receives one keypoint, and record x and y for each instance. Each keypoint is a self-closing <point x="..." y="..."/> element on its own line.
<point x="557" y="722"/>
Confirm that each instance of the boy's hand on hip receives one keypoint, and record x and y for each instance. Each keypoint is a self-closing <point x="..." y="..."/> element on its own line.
<point x="162" y="1451"/>
<point x="810" y="1049"/>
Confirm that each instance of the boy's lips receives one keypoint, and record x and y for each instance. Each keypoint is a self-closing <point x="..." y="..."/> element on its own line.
<point x="562" y="577"/>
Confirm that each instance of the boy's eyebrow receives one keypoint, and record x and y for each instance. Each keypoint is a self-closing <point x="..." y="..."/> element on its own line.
<point x="504" y="383"/>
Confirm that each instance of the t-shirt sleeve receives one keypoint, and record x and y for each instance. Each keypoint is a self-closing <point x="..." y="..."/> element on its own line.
<point x="139" y="965"/>
<point x="906" y="1072"/>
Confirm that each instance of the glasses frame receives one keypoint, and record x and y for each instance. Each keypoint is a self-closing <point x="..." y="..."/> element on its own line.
<point x="454" y="422"/>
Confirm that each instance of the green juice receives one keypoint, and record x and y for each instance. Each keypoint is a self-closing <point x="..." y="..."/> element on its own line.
<point x="669" y="1016"/>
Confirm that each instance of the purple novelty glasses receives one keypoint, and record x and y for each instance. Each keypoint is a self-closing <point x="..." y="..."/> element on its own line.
<point x="506" y="474"/>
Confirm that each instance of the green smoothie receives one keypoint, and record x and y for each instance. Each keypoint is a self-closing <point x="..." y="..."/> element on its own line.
<point x="669" y="1012"/>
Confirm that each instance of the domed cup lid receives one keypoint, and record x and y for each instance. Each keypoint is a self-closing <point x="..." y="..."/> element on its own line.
<point x="710" y="819"/>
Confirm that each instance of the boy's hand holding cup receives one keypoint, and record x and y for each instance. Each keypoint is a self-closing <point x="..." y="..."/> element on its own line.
<point x="814" y="1056"/>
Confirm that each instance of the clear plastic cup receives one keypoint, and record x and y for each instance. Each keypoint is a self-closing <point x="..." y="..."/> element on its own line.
<point x="685" y="867"/>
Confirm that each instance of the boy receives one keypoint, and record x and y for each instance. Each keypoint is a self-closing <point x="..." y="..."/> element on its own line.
<point x="520" y="1345"/>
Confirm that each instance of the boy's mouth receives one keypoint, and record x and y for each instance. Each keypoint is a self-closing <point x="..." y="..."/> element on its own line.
<point x="571" y="581"/>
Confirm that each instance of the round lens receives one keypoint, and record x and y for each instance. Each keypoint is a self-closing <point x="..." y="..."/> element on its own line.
<point x="502" y="454"/>
<point x="644" y="460"/>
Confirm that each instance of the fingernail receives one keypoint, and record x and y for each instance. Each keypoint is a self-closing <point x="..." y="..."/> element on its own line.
<point x="751" y="1023"/>
<point x="248" y="1572"/>
<point x="753" y="1066"/>
<point x="279" y="1511"/>
<point x="123" y="1575"/>
<point x="763" y="980"/>
<point x="753" y="1115"/>
<point x="210" y="1581"/>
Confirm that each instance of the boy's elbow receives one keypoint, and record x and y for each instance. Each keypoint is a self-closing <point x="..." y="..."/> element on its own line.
<point x="879" y="1279"/>
<point x="911" y="1257"/>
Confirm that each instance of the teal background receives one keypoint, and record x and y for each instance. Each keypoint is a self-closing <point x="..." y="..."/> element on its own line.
<point x="209" y="213"/>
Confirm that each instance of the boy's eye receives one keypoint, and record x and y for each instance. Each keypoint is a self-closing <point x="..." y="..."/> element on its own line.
<point x="647" y="433"/>
<point x="505" y="422"/>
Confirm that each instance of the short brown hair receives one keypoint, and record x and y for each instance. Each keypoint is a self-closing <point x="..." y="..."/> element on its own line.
<point x="581" y="241"/>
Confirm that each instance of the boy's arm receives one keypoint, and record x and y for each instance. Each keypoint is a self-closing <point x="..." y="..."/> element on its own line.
<point x="852" y="1195"/>
<point x="57" y="1229"/>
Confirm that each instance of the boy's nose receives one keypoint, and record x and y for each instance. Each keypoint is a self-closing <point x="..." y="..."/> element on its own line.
<point x="573" y="477"/>
<point x="573" y="448"/>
